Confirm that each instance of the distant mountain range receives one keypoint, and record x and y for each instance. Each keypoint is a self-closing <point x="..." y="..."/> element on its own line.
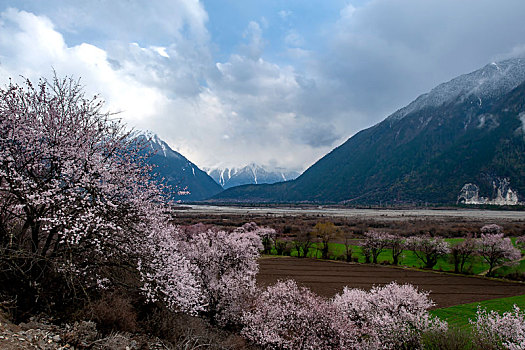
<point x="461" y="142"/>
<point x="188" y="182"/>
<point x="249" y="174"/>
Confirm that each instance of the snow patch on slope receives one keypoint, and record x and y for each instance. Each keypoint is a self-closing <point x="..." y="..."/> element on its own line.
<point x="522" y="118"/>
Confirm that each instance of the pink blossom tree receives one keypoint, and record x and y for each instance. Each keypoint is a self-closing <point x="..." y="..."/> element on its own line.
<point x="397" y="245"/>
<point x="463" y="252"/>
<point x="520" y="242"/>
<point x="267" y="235"/>
<point x="495" y="249"/>
<point x="375" y="242"/>
<point x="169" y="275"/>
<point x="428" y="249"/>
<point x="287" y="316"/>
<point x="389" y="317"/>
<point x="226" y="267"/>
<point x="491" y="229"/>
<point x="75" y="190"/>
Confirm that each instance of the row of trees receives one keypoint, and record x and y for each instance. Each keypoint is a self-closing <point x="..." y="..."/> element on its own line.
<point x="492" y="247"/>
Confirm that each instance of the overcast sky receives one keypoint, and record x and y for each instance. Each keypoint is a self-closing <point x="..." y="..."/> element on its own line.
<point x="280" y="83"/>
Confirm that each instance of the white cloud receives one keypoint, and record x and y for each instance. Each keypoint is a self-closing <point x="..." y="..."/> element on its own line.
<point x="294" y="39"/>
<point x="247" y="113"/>
<point x="284" y="14"/>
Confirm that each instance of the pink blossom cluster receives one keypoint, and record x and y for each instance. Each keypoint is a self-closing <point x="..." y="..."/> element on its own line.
<point x="520" y="241"/>
<point x="389" y="316"/>
<point x="287" y="316"/>
<point x="203" y="270"/>
<point x="495" y="331"/>
<point x="491" y="229"/>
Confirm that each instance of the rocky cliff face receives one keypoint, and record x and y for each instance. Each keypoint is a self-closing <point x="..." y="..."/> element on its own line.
<point x="503" y="194"/>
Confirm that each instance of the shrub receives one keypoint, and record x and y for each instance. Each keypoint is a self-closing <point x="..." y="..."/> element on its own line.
<point x="389" y="317"/>
<point x="113" y="313"/>
<point x="505" y="331"/>
<point x="286" y="316"/>
<point x="450" y="339"/>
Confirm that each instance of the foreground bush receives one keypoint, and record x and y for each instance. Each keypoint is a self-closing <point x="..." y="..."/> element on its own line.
<point x="391" y="316"/>
<point x="495" y="331"/>
<point x="226" y="267"/>
<point x="286" y="316"/>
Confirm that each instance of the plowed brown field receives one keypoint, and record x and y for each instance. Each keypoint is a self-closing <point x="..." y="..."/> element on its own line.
<point x="327" y="278"/>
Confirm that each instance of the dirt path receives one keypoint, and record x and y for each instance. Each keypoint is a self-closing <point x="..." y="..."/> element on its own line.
<point x="508" y="263"/>
<point x="327" y="278"/>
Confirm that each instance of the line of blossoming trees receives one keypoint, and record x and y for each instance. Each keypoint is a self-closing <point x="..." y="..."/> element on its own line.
<point x="492" y="247"/>
<point x="80" y="212"/>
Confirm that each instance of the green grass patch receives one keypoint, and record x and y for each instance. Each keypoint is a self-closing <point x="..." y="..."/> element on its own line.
<point x="459" y="315"/>
<point x="408" y="258"/>
<point x="512" y="269"/>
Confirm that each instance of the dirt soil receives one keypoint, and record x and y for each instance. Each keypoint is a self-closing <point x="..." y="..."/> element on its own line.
<point x="327" y="278"/>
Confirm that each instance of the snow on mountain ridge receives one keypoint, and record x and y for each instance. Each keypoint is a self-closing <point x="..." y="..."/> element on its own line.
<point x="490" y="81"/>
<point x="156" y="143"/>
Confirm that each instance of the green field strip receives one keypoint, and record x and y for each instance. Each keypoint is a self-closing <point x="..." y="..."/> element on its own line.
<point x="459" y="315"/>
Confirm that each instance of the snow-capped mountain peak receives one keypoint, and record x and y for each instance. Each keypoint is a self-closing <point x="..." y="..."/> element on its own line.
<point x="250" y="174"/>
<point x="495" y="79"/>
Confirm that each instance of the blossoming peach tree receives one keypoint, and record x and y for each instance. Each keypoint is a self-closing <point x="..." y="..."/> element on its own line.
<point x="79" y="206"/>
<point x="75" y="190"/>
<point x="494" y="248"/>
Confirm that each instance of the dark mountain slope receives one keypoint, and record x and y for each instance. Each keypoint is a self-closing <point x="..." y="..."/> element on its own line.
<point x="187" y="181"/>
